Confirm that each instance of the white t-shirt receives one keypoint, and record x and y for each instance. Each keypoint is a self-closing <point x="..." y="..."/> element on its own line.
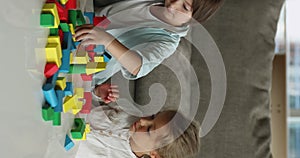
<point x="109" y="136"/>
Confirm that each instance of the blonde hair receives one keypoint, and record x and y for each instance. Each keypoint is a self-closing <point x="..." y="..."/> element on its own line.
<point x="204" y="9"/>
<point x="179" y="142"/>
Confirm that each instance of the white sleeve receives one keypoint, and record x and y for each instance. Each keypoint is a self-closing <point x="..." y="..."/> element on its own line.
<point x="152" y="54"/>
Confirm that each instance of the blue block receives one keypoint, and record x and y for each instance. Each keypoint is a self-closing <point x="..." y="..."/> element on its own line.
<point x="99" y="49"/>
<point x="69" y="89"/>
<point x="106" y="57"/>
<point x="90" y="16"/>
<point x="68" y="143"/>
<point x="52" y="80"/>
<point x="60" y="95"/>
<point x="49" y="94"/>
<point x="67" y="41"/>
<point x="65" y="61"/>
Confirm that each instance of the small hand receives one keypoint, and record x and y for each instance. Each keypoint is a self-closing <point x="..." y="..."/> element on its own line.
<point x="89" y="34"/>
<point x="107" y="92"/>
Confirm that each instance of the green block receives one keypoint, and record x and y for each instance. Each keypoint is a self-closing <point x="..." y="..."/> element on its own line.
<point x="73" y="17"/>
<point x="47" y="20"/>
<point x="53" y="31"/>
<point x="56" y="119"/>
<point x="47" y="112"/>
<point x="77" y="69"/>
<point x="80" y="18"/>
<point x="78" y="128"/>
<point x="64" y="27"/>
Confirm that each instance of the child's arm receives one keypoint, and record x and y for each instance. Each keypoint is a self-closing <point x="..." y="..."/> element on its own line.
<point x="89" y="34"/>
<point x="107" y="92"/>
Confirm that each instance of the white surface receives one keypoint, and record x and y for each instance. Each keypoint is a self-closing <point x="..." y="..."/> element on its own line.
<point x="23" y="132"/>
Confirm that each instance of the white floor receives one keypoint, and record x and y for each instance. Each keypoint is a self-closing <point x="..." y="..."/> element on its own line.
<point x="23" y="132"/>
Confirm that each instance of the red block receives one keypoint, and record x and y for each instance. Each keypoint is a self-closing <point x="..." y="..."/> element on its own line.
<point x="62" y="12"/>
<point x="86" y="77"/>
<point x="86" y="109"/>
<point x="101" y="21"/>
<point x="90" y="48"/>
<point x="61" y="35"/>
<point x="71" y="4"/>
<point x="91" y="55"/>
<point x="50" y="69"/>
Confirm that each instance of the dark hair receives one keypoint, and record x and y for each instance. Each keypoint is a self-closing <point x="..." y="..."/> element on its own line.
<point x="204" y="9"/>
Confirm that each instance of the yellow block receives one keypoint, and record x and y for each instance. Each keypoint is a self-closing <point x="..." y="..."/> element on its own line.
<point x="98" y="58"/>
<point x="51" y="8"/>
<point x="72" y="29"/>
<point x="77" y="107"/>
<point x="80" y="58"/>
<point x="61" y="83"/>
<point x="79" y="92"/>
<point x="93" y="67"/>
<point x="63" y="1"/>
<point x="87" y="128"/>
<point x="69" y="103"/>
<point x="55" y="39"/>
<point x="52" y="53"/>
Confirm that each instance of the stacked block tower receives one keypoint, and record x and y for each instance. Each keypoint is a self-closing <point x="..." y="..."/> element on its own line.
<point x="65" y="56"/>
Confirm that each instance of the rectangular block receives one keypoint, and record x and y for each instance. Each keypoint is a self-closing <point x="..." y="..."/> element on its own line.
<point x="56" y="119"/>
<point x="52" y="54"/>
<point x="80" y="18"/>
<point x="60" y="96"/>
<point x="79" y="92"/>
<point x="77" y="69"/>
<point x="94" y="67"/>
<point x="64" y="27"/>
<point x="61" y="83"/>
<point x="47" y="20"/>
<point x="80" y="58"/>
<point x="98" y="58"/>
<point x="90" y="16"/>
<point x="69" y="89"/>
<point x="65" y="61"/>
<point x="56" y="40"/>
<point x="51" y="8"/>
<point x="47" y="112"/>
<point x="69" y="103"/>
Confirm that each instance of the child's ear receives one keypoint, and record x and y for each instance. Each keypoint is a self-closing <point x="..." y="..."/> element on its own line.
<point x="154" y="154"/>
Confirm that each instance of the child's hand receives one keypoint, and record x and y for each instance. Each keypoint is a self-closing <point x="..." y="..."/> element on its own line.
<point x="107" y="92"/>
<point x="88" y="34"/>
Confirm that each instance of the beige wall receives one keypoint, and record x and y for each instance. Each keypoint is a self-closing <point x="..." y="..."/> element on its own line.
<point x="278" y="107"/>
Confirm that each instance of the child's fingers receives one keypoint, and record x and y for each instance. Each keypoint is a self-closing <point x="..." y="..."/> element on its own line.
<point x="82" y="31"/>
<point x="113" y="90"/>
<point x="112" y="99"/>
<point x="84" y="36"/>
<point x="84" y="26"/>
<point x="114" y="94"/>
<point x="88" y="42"/>
<point x="114" y="86"/>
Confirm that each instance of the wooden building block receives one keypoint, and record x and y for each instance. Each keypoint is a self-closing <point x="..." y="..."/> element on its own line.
<point x="69" y="144"/>
<point x="69" y="89"/>
<point x="78" y="128"/>
<point x="52" y="53"/>
<point x="77" y="107"/>
<point x="94" y="67"/>
<point x="60" y="96"/>
<point x="50" y="69"/>
<point x="98" y="58"/>
<point x="47" y="20"/>
<point x="61" y="83"/>
<point x="79" y="92"/>
<point x="56" y="119"/>
<point x="51" y="8"/>
<point x="49" y="94"/>
<point x="56" y="39"/>
<point x="47" y="112"/>
<point x="69" y="103"/>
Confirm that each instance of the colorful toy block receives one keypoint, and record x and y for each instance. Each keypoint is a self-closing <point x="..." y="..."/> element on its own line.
<point x="87" y="128"/>
<point x="90" y="17"/>
<point x="86" y="109"/>
<point x="56" y="39"/>
<point x="60" y="95"/>
<point x="61" y="83"/>
<point x="65" y="61"/>
<point x="77" y="69"/>
<point x="91" y="55"/>
<point x="77" y="107"/>
<point x="107" y="57"/>
<point x="51" y="8"/>
<point x="86" y="77"/>
<point x="71" y="4"/>
<point x="69" y="144"/>
<point x="52" y="53"/>
<point x="61" y="35"/>
<point x="52" y="80"/>
<point x="47" y="20"/>
<point x="81" y="57"/>
<point x="50" y="69"/>
<point x="78" y="128"/>
<point x="50" y="95"/>
<point x="69" y="103"/>
<point x="80" y="18"/>
<point x="73" y="17"/>
<point x="63" y="1"/>
<point x="53" y="31"/>
<point x="47" y="112"/>
<point x="90" y="48"/>
<point x="98" y="58"/>
<point x="62" y="12"/>
<point x="69" y="89"/>
<point x="99" y="49"/>
<point x="64" y="27"/>
<point x="101" y="22"/>
<point x="56" y="119"/>
<point x="94" y="67"/>
<point x="71" y="26"/>
<point x="79" y="92"/>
